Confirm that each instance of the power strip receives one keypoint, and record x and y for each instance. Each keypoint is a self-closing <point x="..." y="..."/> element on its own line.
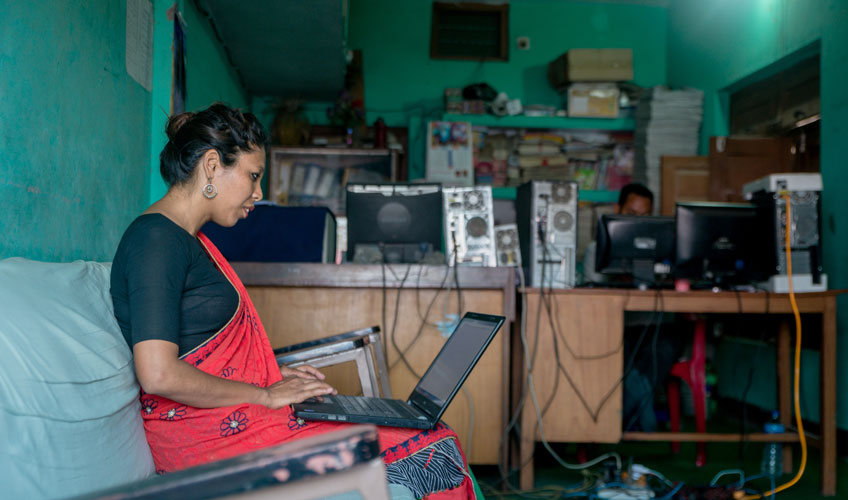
<point x="625" y="493"/>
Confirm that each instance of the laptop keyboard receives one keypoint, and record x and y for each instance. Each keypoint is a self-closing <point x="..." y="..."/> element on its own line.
<point x="375" y="406"/>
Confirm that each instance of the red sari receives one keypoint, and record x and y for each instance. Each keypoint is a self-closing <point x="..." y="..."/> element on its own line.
<point x="181" y="436"/>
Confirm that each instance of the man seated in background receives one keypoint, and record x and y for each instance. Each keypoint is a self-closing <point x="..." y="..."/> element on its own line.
<point x="633" y="199"/>
<point x="661" y="342"/>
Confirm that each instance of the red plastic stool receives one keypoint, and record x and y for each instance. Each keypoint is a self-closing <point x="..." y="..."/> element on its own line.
<point x="693" y="372"/>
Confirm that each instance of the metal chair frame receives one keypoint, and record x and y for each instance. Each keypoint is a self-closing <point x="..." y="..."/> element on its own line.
<point x="361" y="346"/>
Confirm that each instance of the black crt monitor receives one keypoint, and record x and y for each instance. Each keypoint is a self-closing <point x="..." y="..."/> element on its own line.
<point x="636" y="245"/>
<point x="721" y="244"/>
<point x="394" y="223"/>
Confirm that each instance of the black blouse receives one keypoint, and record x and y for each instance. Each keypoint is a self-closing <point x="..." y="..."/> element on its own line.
<point x="165" y="287"/>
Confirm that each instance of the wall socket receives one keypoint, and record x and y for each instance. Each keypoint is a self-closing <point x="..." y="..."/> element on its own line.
<point x="523" y="43"/>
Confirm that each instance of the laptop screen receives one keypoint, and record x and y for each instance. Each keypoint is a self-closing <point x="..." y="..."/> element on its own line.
<point x="454" y="362"/>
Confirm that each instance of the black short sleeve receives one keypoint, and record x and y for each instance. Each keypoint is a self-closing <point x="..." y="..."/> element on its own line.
<point x="164" y="287"/>
<point x="153" y="262"/>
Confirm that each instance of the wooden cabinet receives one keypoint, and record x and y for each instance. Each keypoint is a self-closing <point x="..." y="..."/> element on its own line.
<point x="735" y="161"/>
<point x="684" y="178"/>
<point x="576" y="370"/>
<point x="317" y="176"/>
<point x="299" y="302"/>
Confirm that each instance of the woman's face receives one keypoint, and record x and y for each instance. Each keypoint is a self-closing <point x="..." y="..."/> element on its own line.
<point x="238" y="188"/>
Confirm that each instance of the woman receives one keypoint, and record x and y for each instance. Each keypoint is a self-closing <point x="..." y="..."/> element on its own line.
<point x="211" y="388"/>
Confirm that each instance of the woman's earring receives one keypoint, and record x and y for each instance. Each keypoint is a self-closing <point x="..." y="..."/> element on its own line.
<point x="209" y="190"/>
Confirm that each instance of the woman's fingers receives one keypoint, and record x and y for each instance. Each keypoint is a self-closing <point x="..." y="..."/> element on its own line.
<point x="311" y="371"/>
<point x="304" y="371"/>
<point x="295" y="390"/>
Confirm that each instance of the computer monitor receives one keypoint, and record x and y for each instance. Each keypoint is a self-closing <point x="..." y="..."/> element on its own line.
<point x="640" y="246"/>
<point x="721" y="244"/>
<point x="394" y="222"/>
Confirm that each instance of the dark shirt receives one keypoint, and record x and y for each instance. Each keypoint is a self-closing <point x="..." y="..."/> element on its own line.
<point x="165" y="287"/>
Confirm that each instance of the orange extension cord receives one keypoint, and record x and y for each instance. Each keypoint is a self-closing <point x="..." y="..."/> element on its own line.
<point x="797" y="399"/>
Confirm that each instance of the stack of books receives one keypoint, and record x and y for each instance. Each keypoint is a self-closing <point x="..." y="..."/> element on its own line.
<point x="539" y="156"/>
<point x="510" y="157"/>
<point x="667" y="124"/>
<point x="491" y="152"/>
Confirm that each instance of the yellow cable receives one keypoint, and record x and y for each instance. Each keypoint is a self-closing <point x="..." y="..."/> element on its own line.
<point x="797" y="399"/>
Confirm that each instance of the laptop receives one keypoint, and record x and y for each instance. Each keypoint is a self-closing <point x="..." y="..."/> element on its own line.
<point x="434" y="392"/>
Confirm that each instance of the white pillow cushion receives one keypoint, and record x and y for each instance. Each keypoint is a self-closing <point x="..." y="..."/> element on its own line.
<point x="70" y="418"/>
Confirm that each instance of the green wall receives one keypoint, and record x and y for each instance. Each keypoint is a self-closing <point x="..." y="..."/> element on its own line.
<point x="79" y="138"/>
<point x="209" y="78"/>
<point x="401" y="79"/>
<point x="718" y="44"/>
<point x="405" y="86"/>
<point x="73" y="130"/>
<point x="733" y="365"/>
<point x="163" y="39"/>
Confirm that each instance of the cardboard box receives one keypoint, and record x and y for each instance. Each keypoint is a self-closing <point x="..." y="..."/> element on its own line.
<point x="591" y="65"/>
<point x="594" y="100"/>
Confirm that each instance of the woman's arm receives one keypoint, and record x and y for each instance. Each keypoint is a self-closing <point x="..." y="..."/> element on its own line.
<point x="161" y="372"/>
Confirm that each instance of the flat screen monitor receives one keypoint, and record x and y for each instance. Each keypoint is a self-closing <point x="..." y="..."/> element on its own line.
<point x="721" y="244"/>
<point x="639" y="246"/>
<point x="394" y="222"/>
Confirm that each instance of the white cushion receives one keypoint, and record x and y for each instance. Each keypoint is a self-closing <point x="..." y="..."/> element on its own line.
<point x="69" y="412"/>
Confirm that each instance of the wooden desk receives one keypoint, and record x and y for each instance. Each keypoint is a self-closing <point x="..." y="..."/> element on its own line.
<point x="299" y="302"/>
<point x="591" y="322"/>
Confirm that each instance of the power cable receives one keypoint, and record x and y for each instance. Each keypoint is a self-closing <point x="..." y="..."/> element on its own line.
<point x="529" y="386"/>
<point x="797" y="382"/>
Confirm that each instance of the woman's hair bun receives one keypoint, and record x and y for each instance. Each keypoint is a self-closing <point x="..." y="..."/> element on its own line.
<point x="227" y="130"/>
<point x="176" y="122"/>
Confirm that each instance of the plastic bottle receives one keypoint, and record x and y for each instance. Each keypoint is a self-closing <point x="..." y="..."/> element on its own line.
<point x="772" y="464"/>
<point x="379" y="133"/>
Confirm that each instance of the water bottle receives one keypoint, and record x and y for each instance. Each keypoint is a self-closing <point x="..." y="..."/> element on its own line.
<point x="772" y="464"/>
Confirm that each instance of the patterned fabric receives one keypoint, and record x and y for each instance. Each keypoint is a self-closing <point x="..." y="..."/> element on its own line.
<point x="181" y="436"/>
<point x="437" y="467"/>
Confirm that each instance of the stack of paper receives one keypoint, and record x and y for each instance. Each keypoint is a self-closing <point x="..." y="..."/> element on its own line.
<point x="667" y="124"/>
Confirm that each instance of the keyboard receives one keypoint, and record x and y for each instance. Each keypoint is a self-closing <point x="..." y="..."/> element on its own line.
<point x="375" y="406"/>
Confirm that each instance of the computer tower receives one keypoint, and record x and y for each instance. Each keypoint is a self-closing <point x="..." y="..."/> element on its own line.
<point x="469" y="226"/>
<point x="507" y="245"/>
<point x="546" y="212"/>
<point x="804" y="192"/>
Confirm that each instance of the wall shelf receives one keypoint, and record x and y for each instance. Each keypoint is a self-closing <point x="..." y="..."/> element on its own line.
<point x="545" y="122"/>
<point x="590" y="195"/>
<point x="550" y="122"/>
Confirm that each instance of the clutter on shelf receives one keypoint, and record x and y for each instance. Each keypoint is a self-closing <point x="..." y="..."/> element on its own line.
<point x="509" y="157"/>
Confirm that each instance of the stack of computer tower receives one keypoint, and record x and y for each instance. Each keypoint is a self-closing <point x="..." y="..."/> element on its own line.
<point x="469" y="226"/>
<point x="804" y="193"/>
<point x="507" y="245"/>
<point x="547" y="227"/>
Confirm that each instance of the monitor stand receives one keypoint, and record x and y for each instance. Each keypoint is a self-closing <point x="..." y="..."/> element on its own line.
<point x="643" y="273"/>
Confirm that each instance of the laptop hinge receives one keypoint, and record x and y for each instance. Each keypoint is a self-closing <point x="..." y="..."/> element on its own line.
<point x="419" y="408"/>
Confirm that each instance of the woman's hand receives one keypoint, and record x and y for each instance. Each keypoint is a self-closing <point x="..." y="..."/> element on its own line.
<point x="295" y="389"/>
<point x="303" y="371"/>
<point x="161" y="372"/>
